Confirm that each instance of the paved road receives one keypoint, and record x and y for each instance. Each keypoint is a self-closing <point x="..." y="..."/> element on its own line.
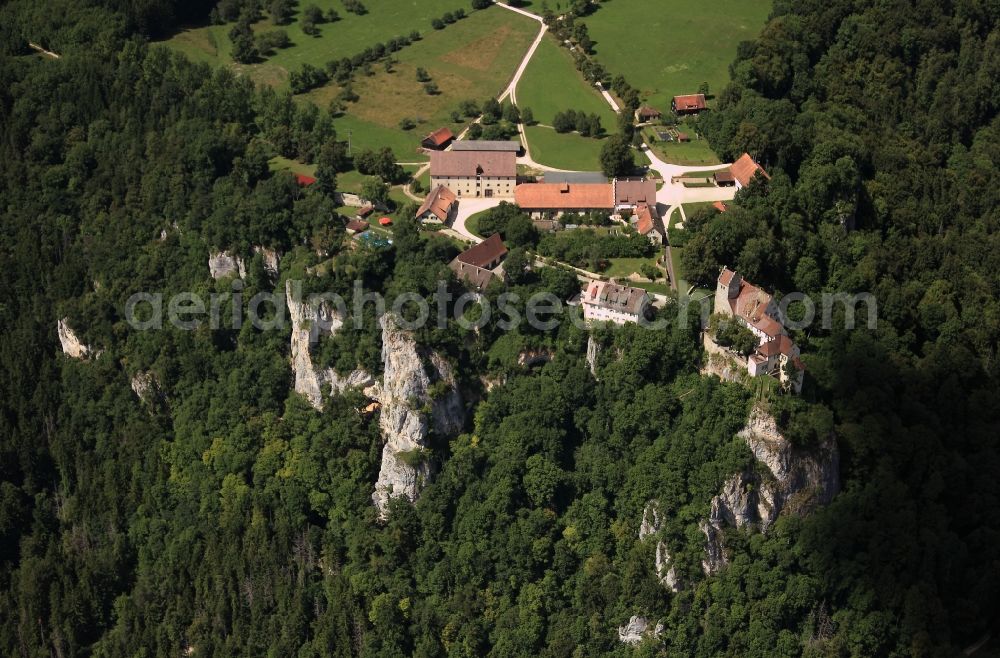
<point x="469" y="207"/>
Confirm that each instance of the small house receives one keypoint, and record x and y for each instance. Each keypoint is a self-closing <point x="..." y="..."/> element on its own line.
<point x="439" y="206"/>
<point x="646" y="113"/>
<point x="746" y="169"/>
<point x="688" y="104"/>
<point x="438" y="140"/>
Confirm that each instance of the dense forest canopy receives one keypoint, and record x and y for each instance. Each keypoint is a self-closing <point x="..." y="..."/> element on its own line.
<point x="225" y="516"/>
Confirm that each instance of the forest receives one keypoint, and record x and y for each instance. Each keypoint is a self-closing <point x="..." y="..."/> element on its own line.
<point x="224" y="515"/>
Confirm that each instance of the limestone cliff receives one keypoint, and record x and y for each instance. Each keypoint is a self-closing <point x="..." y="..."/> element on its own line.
<point x="637" y="629"/>
<point x="418" y="395"/>
<point x="650" y="527"/>
<point x="71" y="344"/>
<point x="222" y="264"/>
<point x="271" y="259"/>
<point x="309" y="323"/>
<point x="787" y="480"/>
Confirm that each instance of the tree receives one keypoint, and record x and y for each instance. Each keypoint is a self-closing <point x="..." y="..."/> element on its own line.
<point x="437" y="24"/>
<point x="564" y="122"/>
<point x="331" y="15"/>
<point x="448" y="17"/>
<point x="511" y="113"/>
<point x="331" y="160"/>
<point x="617" y="158"/>
<point x="595" y="127"/>
<point x="312" y="13"/>
<point x="244" y="46"/>
<point x="475" y="131"/>
<point x="309" y="27"/>
<point x="703" y="88"/>
<point x="431" y="89"/>
<point x="527" y="116"/>
<point x="481" y="4"/>
<point x="423" y="75"/>
<point x="406" y="123"/>
<point x="515" y="265"/>
<point x="491" y="110"/>
<point x="582" y="124"/>
<point x="375" y="190"/>
<point x="281" y="11"/>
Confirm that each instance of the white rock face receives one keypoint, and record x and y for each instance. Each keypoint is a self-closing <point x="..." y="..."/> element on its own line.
<point x="637" y="629"/>
<point x="71" y="345"/>
<point x="271" y="259"/>
<point x="795" y="481"/>
<point x="223" y="264"/>
<point x="418" y="395"/>
<point x="145" y="385"/>
<point x="309" y="323"/>
<point x="593" y="351"/>
<point x="650" y="526"/>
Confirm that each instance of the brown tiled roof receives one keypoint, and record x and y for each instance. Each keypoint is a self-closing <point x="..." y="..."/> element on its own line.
<point x="690" y="102"/>
<point x="751" y="304"/>
<point x="439" y="137"/>
<point x="723" y="177"/>
<point x="438" y="202"/>
<point x="485" y="252"/>
<point x="357" y="226"/>
<point x="615" y="297"/>
<point x="364" y="211"/>
<point x="486" y="145"/>
<point x="469" y="163"/>
<point x="745" y="168"/>
<point x="634" y="192"/>
<point x="564" y="196"/>
<point x="647" y="111"/>
<point x="779" y="345"/>
<point x="477" y="277"/>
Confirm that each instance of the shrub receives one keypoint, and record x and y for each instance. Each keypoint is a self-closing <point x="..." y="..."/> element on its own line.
<point x="406" y="123"/>
<point x="437" y="24"/>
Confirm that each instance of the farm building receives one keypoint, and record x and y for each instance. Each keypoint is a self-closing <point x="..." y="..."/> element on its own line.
<point x="486" y="145"/>
<point x="479" y="265"/>
<point x="574" y="177"/>
<point x="438" y="140"/>
<point x="475" y="173"/>
<point x="632" y="192"/>
<point x="720" y="206"/>
<point x="356" y="226"/>
<point x="557" y="198"/>
<point x="646" y="113"/>
<point x="438" y="207"/>
<point x="744" y="170"/>
<point x="688" y="104"/>
<point x="724" y="178"/>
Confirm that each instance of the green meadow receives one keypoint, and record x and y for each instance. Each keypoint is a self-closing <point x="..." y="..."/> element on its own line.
<point x="670" y="47"/>
<point x="564" y="150"/>
<point x="552" y="84"/>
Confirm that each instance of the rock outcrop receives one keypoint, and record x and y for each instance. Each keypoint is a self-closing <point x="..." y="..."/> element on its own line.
<point x="788" y="479"/>
<point x="665" y="570"/>
<point x="71" y="344"/>
<point x="145" y="385"/>
<point x="223" y="264"/>
<point x="593" y="352"/>
<point x="418" y="395"/>
<point x="637" y="629"/>
<point x="310" y="321"/>
<point x="271" y="259"/>
<point x="535" y="357"/>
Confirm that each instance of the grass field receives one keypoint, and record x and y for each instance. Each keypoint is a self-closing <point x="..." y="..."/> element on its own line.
<point x="344" y="38"/>
<point x="624" y="267"/>
<point x="473" y="58"/>
<point x="697" y="152"/>
<point x="552" y="84"/>
<point x="670" y="47"/>
<point x="564" y="150"/>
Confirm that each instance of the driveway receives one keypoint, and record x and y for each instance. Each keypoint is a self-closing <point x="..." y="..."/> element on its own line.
<point x="467" y="208"/>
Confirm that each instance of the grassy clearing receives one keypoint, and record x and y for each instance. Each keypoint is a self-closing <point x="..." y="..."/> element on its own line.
<point x="565" y="150"/>
<point x="344" y="38"/>
<point x="279" y="163"/>
<point x="472" y="58"/>
<point x="671" y="47"/>
<point x="624" y="267"/>
<point x="552" y="84"/>
<point x="695" y="153"/>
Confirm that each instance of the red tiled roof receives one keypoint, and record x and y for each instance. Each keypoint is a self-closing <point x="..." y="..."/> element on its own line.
<point x="780" y="345"/>
<point x="439" y="137"/>
<point x="647" y="219"/>
<point x="720" y="206"/>
<point x="745" y="168"/>
<point x="439" y="202"/>
<point x="726" y="277"/>
<point x="690" y="102"/>
<point x="484" y="253"/>
<point x="751" y="305"/>
<point x="564" y="196"/>
<point x="471" y="163"/>
<point x="304" y="180"/>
